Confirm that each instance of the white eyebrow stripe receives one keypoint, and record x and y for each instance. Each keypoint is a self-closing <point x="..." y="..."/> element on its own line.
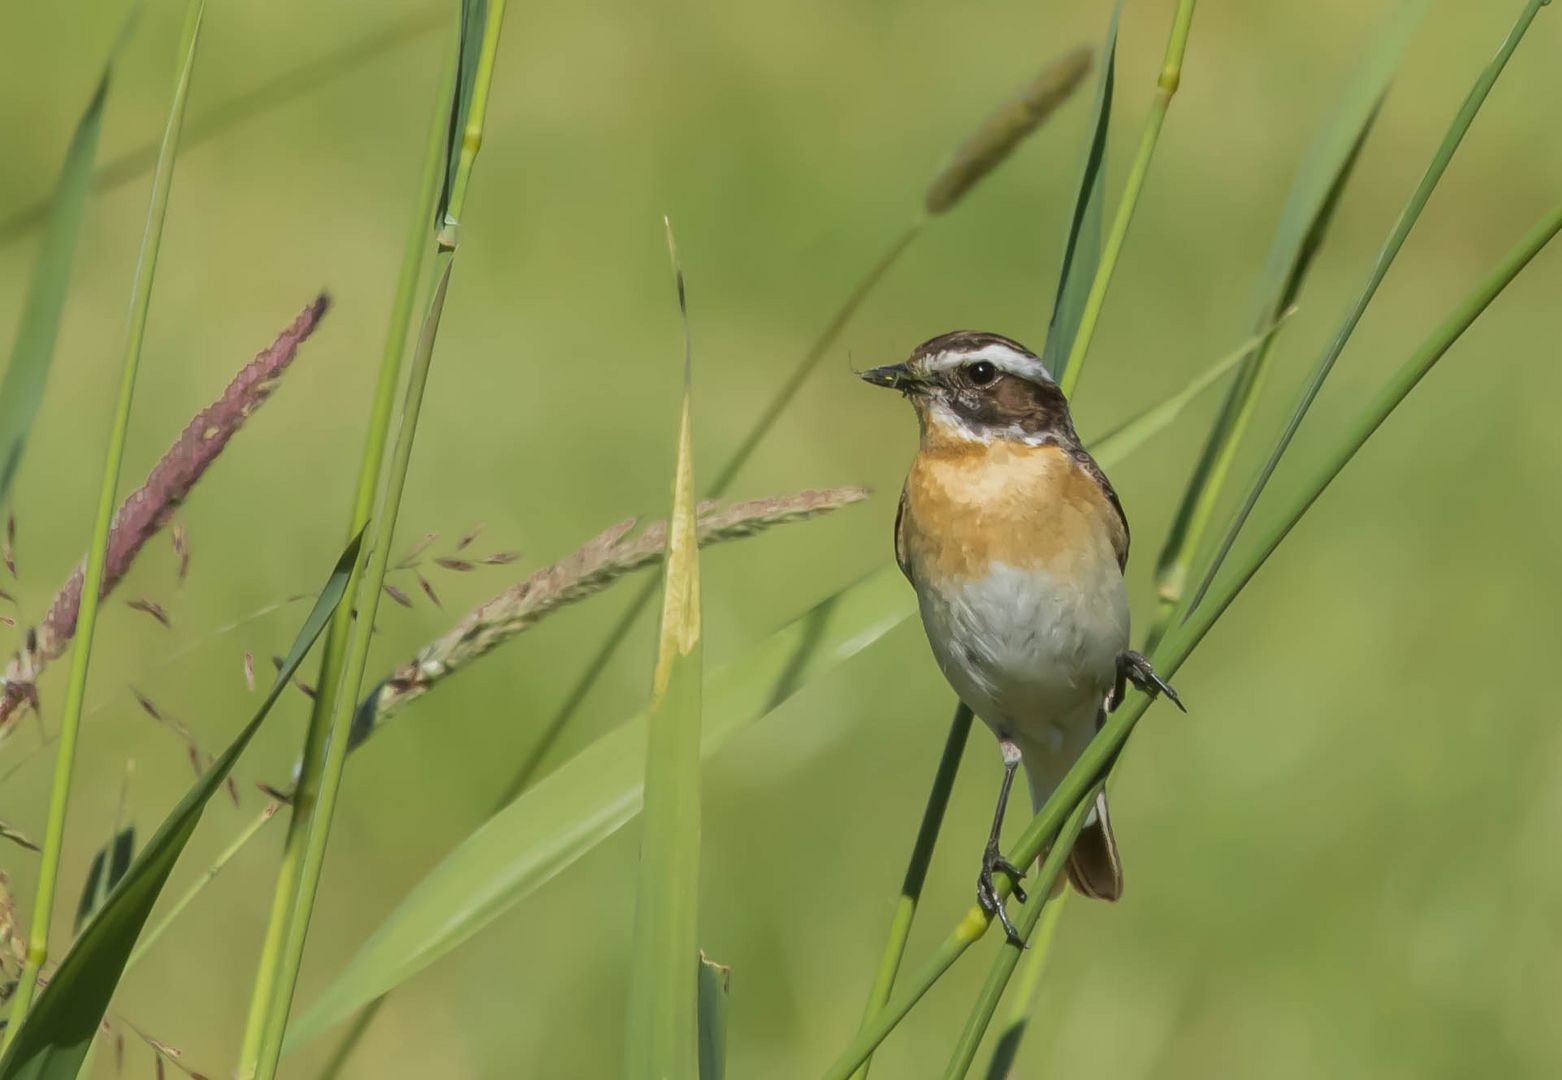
<point x="1000" y="356"/>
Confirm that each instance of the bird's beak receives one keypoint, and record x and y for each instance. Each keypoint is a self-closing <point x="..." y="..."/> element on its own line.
<point x="894" y="376"/>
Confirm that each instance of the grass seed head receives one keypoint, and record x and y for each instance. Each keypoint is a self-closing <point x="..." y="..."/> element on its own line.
<point x="1006" y="127"/>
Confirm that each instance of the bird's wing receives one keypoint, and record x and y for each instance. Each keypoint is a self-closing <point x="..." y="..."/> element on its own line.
<point x="902" y="560"/>
<point x="1088" y="464"/>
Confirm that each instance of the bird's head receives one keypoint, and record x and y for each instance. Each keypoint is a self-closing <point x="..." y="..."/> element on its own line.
<point x="978" y="387"/>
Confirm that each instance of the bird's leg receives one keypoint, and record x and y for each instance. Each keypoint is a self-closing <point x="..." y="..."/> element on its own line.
<point x="1133" y="667"/>
<point x="992" y="859"/>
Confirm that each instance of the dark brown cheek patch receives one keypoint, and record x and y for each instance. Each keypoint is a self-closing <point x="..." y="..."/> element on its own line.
<point x="1010" y="401"/>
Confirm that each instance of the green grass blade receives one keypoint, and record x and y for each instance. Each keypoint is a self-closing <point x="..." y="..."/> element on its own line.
<point x="1038" y="948"/>
<point x="1129" y="435"/>
<point x="1407" y="220"/>
<point x="715" y="988"/>
<point x="108" y="866"/>
<point x="588" y="798"/>
<point x="469" y="54"/>
<point x="333" y="651"/>
<point x="50" y="1043"/>
<point x="1099" y="755"/>
<point x="1165" y="89"/>
<point x="1009" y="956"/>
<point x="39" y="325"/>
<point x="1303" y="223"/>
<point x="1082" y="250"/>
<point x="97" y="552"/>
<point x="916" y="869"/>
<point x="663" y="1021"/>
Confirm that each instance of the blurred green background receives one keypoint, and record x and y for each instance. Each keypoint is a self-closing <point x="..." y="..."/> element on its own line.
<point x="1342" y="863"/>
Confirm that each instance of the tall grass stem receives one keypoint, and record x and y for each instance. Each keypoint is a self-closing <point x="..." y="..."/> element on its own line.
<point x="1165" y="90"/>
<point x="1396" y="240"/>
<point x="334" y="647"/>
<point x="97" y="552"/>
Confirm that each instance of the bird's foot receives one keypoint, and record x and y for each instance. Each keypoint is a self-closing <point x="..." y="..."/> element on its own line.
<point x="987" y="890"/>
<point x="1133" y="667"/>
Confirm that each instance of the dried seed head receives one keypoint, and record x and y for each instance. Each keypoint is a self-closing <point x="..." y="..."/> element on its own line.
<point x="181" y="541"/>
<point x="601" y="561"/>
<point x="467" y="539"/>
<point x="458" y="565"/>
<point x="152" y="608"/>
<point x="249" y="671"/>
<point x="397" y="595"/>
<point x="1006" y="128"/>
<point x="147" y="509"/>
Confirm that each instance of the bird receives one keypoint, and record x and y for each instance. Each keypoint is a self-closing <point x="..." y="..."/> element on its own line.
<point x="1016" y="543"/>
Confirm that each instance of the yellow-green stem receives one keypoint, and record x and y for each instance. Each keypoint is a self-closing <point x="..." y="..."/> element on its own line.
<point x="1038" y="947"/>
<point x="318" y="817"/>
<point x="97" y="551"/>
<point x="334" y="648"/>
<point x="916" y="870"/>
<point x="1004" y="964"/>
<point x="1165" y="90"/>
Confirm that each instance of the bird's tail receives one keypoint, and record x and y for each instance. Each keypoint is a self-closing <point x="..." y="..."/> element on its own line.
<point x="1093" y="867"/>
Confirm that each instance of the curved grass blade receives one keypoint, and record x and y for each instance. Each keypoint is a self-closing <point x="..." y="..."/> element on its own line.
<point x="1407" y="220"/>
<point x="1165" y="89"/>
<point x="1303" y="223"/>
<point x="97" y="552"/>
<point x="1082" y="251"/>
<point x="590" y="797"/>
<point x="39" y="326"/>
<point x="1121" y="440"/>
<point x="663" y="1037"/>
<point x="52" y="1039"/>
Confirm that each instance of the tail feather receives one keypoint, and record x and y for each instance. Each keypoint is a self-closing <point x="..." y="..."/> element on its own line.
<point x="1094" y="868"/>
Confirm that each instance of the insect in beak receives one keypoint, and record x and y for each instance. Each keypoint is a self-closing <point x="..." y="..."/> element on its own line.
<point x="893" y="376"/>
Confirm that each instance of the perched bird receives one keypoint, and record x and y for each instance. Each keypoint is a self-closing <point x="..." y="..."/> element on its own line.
<point x="1015" y="543"/>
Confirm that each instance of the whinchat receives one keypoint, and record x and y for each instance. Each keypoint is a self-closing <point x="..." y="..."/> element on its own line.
<point x="1015" y="543"/>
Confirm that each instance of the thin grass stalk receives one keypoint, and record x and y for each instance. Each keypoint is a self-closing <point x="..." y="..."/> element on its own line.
<point x="334" y="648"/>
<point x="321" y="814"/>
<point x="1165" y="90"/>
<point x="237" y="844"/>
<point x="1009" y="956"/>
<point x="988" y="146"/>
<point x="97" y="553"/>
<point x="1037" y="952"/>
<point x="916" y="870"/>
<point x="1103" y="750"/>
<point x="1396" y="240"/>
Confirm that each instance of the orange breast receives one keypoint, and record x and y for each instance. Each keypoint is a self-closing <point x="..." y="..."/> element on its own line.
<point x="971" y="504"/>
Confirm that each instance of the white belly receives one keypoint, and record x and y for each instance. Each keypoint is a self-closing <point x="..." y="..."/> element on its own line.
<point x="1031" y="654"/>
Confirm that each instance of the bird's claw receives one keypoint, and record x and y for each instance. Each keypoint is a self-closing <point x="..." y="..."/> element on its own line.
<point x="987" y="890"/>
<point x="1134" y="667"/>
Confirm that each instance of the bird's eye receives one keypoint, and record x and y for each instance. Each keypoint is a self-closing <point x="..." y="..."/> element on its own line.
<point x="981" y="373"/>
